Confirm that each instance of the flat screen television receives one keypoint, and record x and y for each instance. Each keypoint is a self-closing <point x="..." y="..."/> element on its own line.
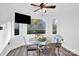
<point x="21" y="18"/>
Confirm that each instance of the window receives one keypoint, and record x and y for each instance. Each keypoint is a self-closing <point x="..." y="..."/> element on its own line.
<point x="54" y="26"/>
<point x="16" y="29"/>
<point x="37" y="26"/>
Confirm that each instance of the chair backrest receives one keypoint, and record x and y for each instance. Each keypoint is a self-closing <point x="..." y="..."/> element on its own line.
<point x="51" y="49"/>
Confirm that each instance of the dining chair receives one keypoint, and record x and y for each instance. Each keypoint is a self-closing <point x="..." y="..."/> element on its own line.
<point x="51" y="49"/>
<point x="48" y="49"/>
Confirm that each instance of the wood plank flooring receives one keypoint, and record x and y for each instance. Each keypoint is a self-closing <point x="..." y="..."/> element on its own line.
<point x="21" y="51"/>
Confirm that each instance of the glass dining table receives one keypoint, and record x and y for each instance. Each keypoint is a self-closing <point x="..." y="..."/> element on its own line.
<point x="35" y="45"/>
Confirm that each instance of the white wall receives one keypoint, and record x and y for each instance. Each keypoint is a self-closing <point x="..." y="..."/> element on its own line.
<point x="70" y="26"/>
<point x="67" y="16"/>
<point x="5" y="23"/>
<point x="5" y="35"/>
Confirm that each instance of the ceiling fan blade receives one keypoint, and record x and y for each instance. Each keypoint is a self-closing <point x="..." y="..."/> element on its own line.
<point x="50" y="6"/>
<point x="37" y="9"/>
<point x="35" y="5"/>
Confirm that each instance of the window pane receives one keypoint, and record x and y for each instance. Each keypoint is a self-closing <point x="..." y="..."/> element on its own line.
<point x="54" y="26"/>
<point x="37" y="26"/>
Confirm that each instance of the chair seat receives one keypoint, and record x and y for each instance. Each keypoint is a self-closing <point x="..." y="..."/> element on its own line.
<point x="31" y="47"/>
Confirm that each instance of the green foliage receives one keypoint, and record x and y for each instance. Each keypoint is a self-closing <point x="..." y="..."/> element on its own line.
<point x="42" y="39"/>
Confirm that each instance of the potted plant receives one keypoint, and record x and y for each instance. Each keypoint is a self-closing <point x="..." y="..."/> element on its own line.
<point x="41" y="38"/>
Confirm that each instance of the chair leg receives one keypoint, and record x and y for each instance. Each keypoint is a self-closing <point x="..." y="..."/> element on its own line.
<point x="58" y="52"/>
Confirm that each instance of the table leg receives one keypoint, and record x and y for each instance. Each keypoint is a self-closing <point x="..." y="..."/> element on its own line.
<point x="26" y="51"/>
<point x="37" y="50"/>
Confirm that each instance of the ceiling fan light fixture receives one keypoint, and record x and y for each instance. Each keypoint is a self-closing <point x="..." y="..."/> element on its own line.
<point x="43" y="10"/>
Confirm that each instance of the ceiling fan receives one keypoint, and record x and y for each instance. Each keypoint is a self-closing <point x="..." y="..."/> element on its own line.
<point x="43" y="7"/>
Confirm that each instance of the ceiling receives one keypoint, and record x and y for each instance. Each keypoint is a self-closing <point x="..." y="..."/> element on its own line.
<point x="63" y="10"/>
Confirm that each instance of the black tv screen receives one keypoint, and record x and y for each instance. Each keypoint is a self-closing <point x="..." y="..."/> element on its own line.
<point x="21" y="18"/>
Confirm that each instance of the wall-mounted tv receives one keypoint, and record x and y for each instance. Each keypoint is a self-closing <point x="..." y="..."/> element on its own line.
<point x="21" y="18"/>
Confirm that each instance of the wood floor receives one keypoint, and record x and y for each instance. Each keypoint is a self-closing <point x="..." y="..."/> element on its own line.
<point x="21" y="51"/>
